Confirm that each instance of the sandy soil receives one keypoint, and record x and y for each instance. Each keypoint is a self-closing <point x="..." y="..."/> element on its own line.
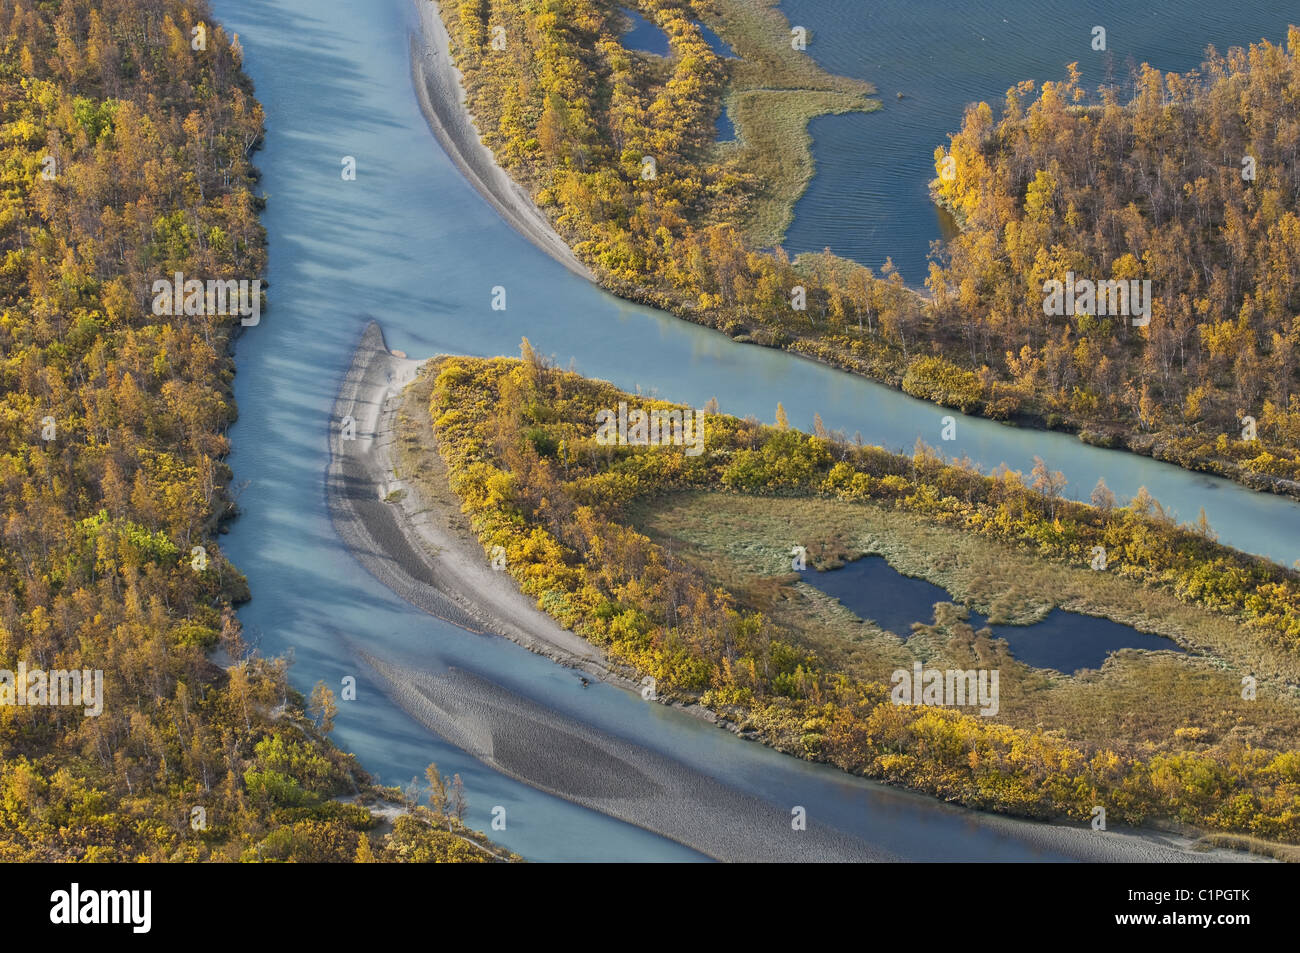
<point x="441" y="93"/>
<point x="422" y="548"/>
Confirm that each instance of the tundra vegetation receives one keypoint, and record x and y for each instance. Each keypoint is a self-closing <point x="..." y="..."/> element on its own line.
<point x="679" y="567"/>
<point x="1142" y="180"/>
<point x="126" y="130"/>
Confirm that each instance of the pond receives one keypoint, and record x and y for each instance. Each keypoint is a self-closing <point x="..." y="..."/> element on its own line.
<point x="872" y="589"/>
<point x="644" y="36"/>
<point x="726" y="128"/>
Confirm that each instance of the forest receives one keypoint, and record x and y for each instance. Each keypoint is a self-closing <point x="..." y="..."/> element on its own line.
<point x="1141" y="180"/>
<point x="1190" y="182"/>
<point x="519" y="441"/>
<point x="127" y="135"/>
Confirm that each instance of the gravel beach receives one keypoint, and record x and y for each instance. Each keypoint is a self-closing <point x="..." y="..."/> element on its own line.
<point x="441" y="94"/>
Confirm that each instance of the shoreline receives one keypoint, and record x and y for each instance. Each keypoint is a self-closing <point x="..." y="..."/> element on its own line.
<point x="417" y="548"/>
<point x="440" y="91"/>
<point x="441" y="94"/>
<point x="423" y="550"/>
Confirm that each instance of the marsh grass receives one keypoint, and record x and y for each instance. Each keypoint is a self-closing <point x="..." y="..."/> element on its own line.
<point x="1138" y="702"/>
<point x="759" y="33"/>
<point x="773" y="141"/>
<point x="1288" y="853"/>
<point x="774" y="92"/>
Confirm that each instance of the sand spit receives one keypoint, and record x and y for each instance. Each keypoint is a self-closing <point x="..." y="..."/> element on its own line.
<point x="416" y="554"/>
<point x="441" y="94"/>
<point x="419" y="548"/>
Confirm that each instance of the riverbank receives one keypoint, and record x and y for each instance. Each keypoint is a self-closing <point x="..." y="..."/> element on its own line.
<point x="420" y="546"/>
<point x="772" y="154"/>
<point x="441" y="94"/>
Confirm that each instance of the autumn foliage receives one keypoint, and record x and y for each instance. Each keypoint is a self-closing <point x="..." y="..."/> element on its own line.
<point x="519" y="441"/>
<point x="1138" y="181"/>
<point x="125" y="157"/>
<point x="1189" y="181"/>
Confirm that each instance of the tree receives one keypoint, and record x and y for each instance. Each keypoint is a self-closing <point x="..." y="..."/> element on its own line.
<point x="322" y="707"/>
<point x="1103" y="498"/>
<point x="1050" y="483"/>
<point x="439" y="797"/>
<point x="819" y="428"/>
<point x="1203" y="527"/>
<point x="411" y="794"/>
<point x="458" y="803"/>
<point x="364" y="854"/>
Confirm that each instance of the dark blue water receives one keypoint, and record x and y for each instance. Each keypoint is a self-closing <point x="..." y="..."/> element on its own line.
<point x="716" y="43"/>
<point x="644" y="36"/>
<point x="872" y="589"/>
<point x="870" y="197"/>
<point x="726" y="129"/>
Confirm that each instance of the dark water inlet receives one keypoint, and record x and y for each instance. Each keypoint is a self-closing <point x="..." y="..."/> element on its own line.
<point x="716" y="43"/>
<point x="726" y="129"/>
<point x="646" y="37"/>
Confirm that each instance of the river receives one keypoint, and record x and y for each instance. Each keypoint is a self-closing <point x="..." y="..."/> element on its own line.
<point x="410" y="244"/>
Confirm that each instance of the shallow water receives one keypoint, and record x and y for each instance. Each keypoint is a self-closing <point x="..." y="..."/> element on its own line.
<point x="411" y="244"/>
<point x="872" y="589"/>
<point x="870" y="196"/>
<point x="716" y="43"/>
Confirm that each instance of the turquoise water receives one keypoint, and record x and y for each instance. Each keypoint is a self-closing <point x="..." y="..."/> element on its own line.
<point x="870" y="197"/>
<point x="872" y="589"/>
<point x="409" y="243"/>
